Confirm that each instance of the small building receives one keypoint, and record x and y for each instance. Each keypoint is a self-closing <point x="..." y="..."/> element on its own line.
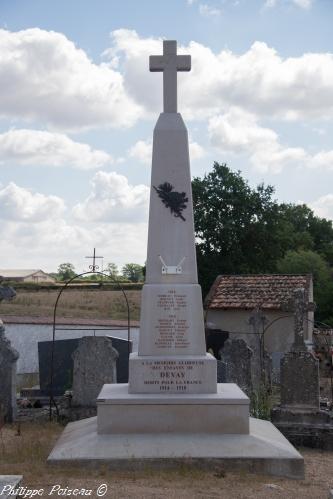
<point x="232" y="299"/>
<point x="25" y="275"/>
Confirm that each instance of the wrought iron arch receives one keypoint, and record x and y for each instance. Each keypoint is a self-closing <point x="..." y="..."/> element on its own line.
<point x="115" y="281"/>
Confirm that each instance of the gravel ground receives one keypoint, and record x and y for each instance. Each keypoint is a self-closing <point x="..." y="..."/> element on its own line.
<point x="26" y="454"/>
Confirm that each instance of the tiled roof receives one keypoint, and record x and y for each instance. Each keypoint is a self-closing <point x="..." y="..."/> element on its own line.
<point x="269" y="291"/>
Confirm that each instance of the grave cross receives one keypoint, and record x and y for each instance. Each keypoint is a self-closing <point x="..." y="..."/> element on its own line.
<point x="300" y="309"/>
<point x="257" y="320"/>
<point x="94" y="267"/>
<point x="170" y="63"/>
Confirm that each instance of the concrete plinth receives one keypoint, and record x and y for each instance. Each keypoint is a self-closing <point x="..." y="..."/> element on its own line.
<point x="226" y="411"/>
<point x="263" y="450"/>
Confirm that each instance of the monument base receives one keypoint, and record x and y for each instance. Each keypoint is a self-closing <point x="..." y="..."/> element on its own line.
<point x="136" y="431"/>
<point x="263" y="450"/>
<point x="226" y="411"/>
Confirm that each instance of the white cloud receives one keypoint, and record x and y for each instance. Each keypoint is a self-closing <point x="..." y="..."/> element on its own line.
<point x="19" y="204"/>
<point x="196" y="151"/>
<point x="142" y="151"/>
<point x="323" y="206"/>
<point x="52" y="241"/>
<point x="33" y="228"/>
<point x="303" y="4"/>
<point x="209" y="11"/>
<point x="260" y="81"/>
<point x="113" y="199"/>
<point x="239" y="132"/>
<point x="134" y="52"/>
<point x="45" y="77"/>
<point x="323" y="159"/>
<point x="34" y="147"/>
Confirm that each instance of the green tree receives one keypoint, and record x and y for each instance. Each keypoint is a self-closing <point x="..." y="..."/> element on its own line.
<point x="112" y="270"/>
<point x="133" y="272"/>
<point x="66" y="271"/>
<point x="237" y="227"/>
<point x="243" y="230"/>
<point x="307" y="231"/>
<point x="310" y="262"/>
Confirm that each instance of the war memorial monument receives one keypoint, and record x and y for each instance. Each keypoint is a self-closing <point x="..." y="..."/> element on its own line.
<point x="173" y="410"/>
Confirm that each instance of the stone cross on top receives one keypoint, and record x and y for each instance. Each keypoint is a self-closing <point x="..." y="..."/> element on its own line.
<point x="170" y="63"/>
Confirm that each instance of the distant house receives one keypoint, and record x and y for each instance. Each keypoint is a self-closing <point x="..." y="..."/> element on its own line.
<point x="232" y="298"/>
<point x="25" y="275"/>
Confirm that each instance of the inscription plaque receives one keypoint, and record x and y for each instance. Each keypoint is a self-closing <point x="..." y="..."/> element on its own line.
<point x="173" y="375"/>
<point x="172" y="319"/>
<point x="172" y="326"/>
<point x="183" y="374"/>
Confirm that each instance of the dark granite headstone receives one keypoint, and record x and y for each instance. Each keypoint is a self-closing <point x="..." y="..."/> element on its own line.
<point x="215" y="339"/>
<point x="121" y="346"/>
<point x="63" y="363"/>
<point x="221" y="371"/>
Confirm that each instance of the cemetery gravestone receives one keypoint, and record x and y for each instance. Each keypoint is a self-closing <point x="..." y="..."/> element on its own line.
<point x="63" y="363"/>
<point x="94" y="365"/>
<point x="8" y="359"/>
<point x="261" y="365"/>
<point x="300" y="380"/>
<point x="237" y="356"/>
<point x="299" y="368"/>
<point x="299" y="416"/>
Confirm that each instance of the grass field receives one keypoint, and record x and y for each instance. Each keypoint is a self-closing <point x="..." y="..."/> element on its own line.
<point x="74" y="303"/>
<point x="26" y="454"/>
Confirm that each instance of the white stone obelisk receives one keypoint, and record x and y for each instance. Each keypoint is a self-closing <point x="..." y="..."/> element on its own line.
<point x="172" y="354"/>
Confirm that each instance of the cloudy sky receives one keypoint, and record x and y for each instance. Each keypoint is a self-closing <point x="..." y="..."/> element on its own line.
<point x="78" y="106"/>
